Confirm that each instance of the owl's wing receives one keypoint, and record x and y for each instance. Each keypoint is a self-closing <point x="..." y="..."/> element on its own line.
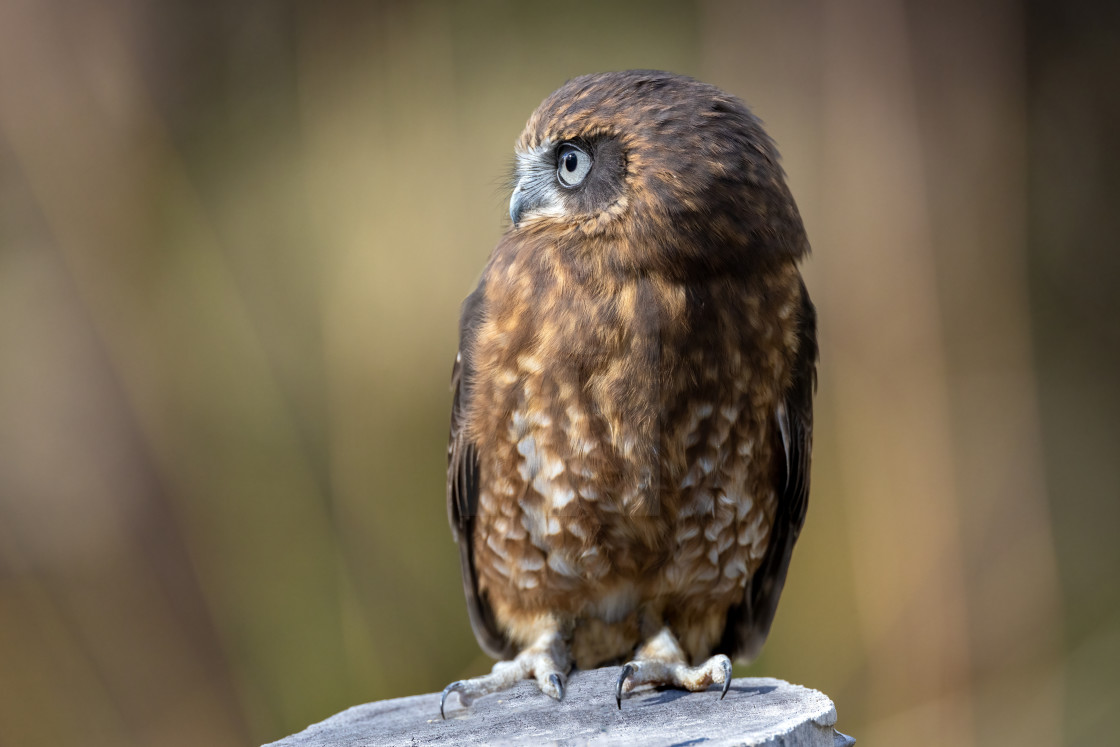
<point x="748" y="623"/>
<point x="463" y="482"/>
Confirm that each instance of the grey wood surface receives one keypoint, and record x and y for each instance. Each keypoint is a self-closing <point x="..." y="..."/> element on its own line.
<point x="756" y="711"/>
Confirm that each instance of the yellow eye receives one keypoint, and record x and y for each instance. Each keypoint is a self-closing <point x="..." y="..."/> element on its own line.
<point x="572" y="165"/>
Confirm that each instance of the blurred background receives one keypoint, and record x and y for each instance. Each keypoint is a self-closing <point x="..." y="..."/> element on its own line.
<point x="234" y="237"/>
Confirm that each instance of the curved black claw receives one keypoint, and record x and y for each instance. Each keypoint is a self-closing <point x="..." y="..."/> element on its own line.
<point x="454" y="687"/>
<point x="558" y="684"/>
<point x="627" y="670"/>
<point x="726" y="678"/>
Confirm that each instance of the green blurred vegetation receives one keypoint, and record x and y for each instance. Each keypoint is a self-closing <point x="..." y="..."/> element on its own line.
<point x="233" y="241"/>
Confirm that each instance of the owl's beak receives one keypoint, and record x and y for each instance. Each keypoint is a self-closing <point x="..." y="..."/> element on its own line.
<point x="517" y="203"/>
<point x="530" y="194"/>
<point x="535" y="191"/>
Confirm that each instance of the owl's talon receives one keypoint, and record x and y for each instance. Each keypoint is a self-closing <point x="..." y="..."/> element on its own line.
<point x="661" y="662"/>
<point x="558" y="684"/>
<point x="454" y="687"/>
<point x="544" y="663"/>
<point x="627" y="670"/>
<point x="726" y="677"/>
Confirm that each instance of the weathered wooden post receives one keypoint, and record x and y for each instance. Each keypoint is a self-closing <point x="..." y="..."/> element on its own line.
<point x="757" y="711"/>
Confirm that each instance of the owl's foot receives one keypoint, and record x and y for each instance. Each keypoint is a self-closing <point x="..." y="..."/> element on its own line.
<point x="660" y="661"/>
<point x="546" y="661"/>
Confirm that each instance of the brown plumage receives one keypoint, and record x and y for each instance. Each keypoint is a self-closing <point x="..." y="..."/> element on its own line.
<point x="632" y="417"/>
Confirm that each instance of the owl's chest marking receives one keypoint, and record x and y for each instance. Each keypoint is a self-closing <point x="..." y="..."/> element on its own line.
<point x="629" y="452"/>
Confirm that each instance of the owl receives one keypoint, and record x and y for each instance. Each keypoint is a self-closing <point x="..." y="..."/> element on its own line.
<point x="631" y="423"/>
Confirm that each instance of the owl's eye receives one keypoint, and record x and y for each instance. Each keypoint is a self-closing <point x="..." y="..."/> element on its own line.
<point x="572" y="165"/>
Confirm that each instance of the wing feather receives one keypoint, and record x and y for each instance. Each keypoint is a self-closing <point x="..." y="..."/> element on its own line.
<point x="748" y="623"/>
<point x="463" y="482"/>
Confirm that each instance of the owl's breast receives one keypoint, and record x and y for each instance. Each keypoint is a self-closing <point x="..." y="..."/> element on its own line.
<point x="623" y="437"/>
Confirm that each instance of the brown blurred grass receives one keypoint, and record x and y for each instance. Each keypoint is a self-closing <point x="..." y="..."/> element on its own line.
<point x="233" y="241"/>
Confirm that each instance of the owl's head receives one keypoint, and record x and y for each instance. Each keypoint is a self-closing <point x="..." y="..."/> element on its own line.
<point x="676" y="168"/>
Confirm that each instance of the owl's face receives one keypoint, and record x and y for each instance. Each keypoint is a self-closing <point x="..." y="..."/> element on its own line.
<point x="569" y="179"/>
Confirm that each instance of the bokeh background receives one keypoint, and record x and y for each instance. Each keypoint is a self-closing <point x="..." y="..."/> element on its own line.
<point x="234" y="236"/>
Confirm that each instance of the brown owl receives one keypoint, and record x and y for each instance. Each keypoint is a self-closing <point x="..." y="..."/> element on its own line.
<point x="632" y="416"/>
